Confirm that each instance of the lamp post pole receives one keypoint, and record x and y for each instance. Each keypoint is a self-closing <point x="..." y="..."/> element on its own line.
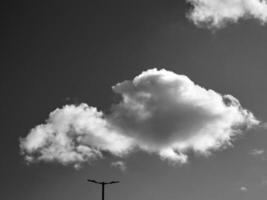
<point x="102" y="185"/>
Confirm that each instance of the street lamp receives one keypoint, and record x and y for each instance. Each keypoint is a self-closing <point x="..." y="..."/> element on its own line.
<point x="103" y="185"/>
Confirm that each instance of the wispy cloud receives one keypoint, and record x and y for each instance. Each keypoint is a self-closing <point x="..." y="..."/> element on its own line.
<point x="256" y="152"/>
<point x="243" y="189"/>
<point x="217" y="13"/>
<point x="264" y="183"/>
<point x="119" y="164"/>
<point x="160" y="112"/>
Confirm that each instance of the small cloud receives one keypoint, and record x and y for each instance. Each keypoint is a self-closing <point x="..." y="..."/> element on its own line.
<point x="264" y="182"/>
<point x="119" y="164"/>
<point x="214" y="14"/>
<point x="256" y="152"/>
<point x="263" y="125"/>
<point x="243" y="189"/>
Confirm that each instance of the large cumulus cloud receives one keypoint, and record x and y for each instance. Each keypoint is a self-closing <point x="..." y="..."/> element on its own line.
<point x="216" y="13"/>
<point x="72" y="135"/>
<point x="160" y="112"/>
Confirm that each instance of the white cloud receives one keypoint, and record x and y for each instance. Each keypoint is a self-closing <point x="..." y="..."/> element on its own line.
<point x="119" y="164"/>
<point x="160" y="112"/>
<point x="216" y="13"/>
<point x="243" y="189"/>
<point x="256" y="152"/>
<point x="264" y="183"/>
<point x="167" y="113"/>
<point x="73" y="134"/>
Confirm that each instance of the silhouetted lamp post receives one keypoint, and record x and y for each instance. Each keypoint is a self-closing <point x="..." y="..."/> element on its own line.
<point x="103" y="185"/>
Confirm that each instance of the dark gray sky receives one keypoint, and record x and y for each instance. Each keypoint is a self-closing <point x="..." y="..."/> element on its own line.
<point x="55" y="53"/>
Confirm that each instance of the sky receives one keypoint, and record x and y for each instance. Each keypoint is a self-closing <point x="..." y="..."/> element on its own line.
<point x="137" y="84"/>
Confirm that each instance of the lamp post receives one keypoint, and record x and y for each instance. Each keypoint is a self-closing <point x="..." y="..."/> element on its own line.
<point x="102" y="185"/>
